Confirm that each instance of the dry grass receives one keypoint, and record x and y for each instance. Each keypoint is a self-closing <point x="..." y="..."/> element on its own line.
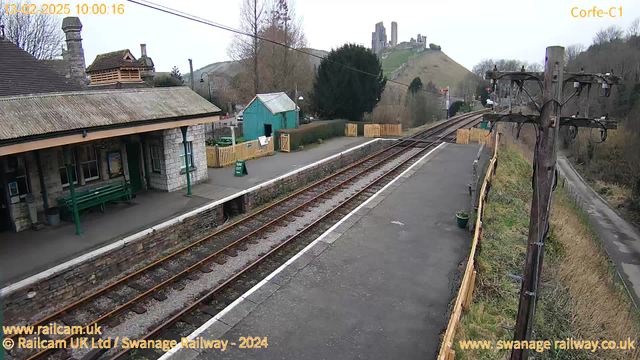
<point x="578" y="298"/>
<point x="601" y="309"/>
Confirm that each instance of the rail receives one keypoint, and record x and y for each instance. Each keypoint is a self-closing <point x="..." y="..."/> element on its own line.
<point x="402" y="145"/>
<point x="465" y="293"/>
<point x="157" y="331"/>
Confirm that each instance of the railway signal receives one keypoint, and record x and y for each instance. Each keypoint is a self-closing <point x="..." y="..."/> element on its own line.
<point x="548" y="124"/>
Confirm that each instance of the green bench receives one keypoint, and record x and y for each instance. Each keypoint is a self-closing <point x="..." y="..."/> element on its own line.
<point x="96" y="196"/>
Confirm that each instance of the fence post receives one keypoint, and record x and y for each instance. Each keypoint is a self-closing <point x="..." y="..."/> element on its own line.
<point x="217" y="155"/>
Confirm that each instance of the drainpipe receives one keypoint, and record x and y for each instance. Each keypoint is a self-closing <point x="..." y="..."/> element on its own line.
<point x="43" y="189"/>
<point x="186" y="157"/>
<point x="67" y="162"/>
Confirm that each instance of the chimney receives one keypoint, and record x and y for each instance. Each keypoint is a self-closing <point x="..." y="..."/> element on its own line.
<point x="149" y="71"/>
<point x="74" y="54"/>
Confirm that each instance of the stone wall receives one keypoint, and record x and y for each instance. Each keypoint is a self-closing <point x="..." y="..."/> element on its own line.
<point x="80" y="279"/>
<point x="173" y="147"/>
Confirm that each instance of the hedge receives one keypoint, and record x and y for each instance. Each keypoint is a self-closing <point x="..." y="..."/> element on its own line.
<point x="310" y="133"/>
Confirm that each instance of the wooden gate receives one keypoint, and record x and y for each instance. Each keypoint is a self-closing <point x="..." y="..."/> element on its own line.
<point x="285" y="144"/>
<point x="372" y="130"/>
<point x="351" y="130"/>
<point x="462" y="136"/>
<point x="391" y="129"/>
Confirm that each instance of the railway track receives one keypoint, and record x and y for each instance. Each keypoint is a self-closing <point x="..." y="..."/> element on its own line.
<point x="106" y="306"/>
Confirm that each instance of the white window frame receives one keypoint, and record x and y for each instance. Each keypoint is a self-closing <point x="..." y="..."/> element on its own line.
<point x="189" y="153"/>
<point x="87" y="150"/>
<point x="61" y="165"/>
<point x="156" y="158"/>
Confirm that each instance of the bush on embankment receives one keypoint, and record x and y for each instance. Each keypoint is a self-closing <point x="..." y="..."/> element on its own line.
<point x="578" y="298"/>
<point x="311" y="133"/>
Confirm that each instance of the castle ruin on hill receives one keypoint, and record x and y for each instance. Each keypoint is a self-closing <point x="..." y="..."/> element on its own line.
<point x="379" y="40"/>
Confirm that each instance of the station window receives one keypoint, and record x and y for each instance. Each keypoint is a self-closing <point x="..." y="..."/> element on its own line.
<point x="64" y="179"/>
<point x="89" y="164"/>
<point x="18" y="181"/>
<point x="189" y="155"/>
<point x="156" y="158"/>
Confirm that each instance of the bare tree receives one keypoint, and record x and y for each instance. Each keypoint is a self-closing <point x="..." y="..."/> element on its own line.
<point x="247" y="49"/>
<point x="634" y="28"/>
<point x="482" y="67"/>
<point x="572" y="51"/>
<point x="467" y="87"/>
<point x="39" y="35"/>
<point x="285" y="68"/>
<point x="611" y="34"/>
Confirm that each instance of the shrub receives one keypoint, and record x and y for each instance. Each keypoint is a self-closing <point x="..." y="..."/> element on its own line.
<point x="311" y="133"/>
<point x="433" y="46"/>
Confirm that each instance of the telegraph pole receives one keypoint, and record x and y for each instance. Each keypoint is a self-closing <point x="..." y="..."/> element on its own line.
<point x="544" y="176"/>
<point x="543" y="184"/>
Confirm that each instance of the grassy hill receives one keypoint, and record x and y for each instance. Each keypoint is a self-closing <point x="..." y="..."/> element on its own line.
<point x="395" y="59"/>
<point x="429" y="65"/>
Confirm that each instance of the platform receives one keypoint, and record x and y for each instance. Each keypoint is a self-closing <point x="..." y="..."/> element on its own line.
<point x="376" y="286"/>
<point x="30" y="252"/>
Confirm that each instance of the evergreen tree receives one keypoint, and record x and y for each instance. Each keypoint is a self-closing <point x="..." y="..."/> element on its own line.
<point x="416" y="85"/>
<point x="340" y="92"/>
<point x="176" y="76"/>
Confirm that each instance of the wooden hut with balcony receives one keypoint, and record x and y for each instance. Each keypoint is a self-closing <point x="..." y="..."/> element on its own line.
<point x="120" y="69"/>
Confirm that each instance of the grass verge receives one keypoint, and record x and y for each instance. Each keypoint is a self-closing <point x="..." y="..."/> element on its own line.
<point x="578" y="298"/>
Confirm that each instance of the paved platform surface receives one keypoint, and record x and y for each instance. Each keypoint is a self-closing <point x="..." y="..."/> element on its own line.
<point x="620" y="238"/>
<point x="376" y="287"/>
<point x="29" y="252"/>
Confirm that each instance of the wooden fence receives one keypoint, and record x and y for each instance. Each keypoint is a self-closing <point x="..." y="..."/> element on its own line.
<point x="465" y="293"/>
<point x="351" y="130"/>
<point x="391" y="129"/>
<point x="377" y="130"/>
<point x="481" y="136"/>
<point x="462" y="136"/>
<point x="372" y="130"/>
<point x="225" y="156"/>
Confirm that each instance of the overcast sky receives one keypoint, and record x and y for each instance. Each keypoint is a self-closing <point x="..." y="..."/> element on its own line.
<point x="468" y="31"/>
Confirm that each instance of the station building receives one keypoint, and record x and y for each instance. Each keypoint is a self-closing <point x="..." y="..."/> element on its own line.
<point x="59" y="136"/>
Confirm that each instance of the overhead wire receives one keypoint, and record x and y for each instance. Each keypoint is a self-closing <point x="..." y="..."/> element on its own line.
<point x="178" y="13"/>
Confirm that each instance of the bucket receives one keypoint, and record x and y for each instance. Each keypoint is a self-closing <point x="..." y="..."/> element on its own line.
<point x="53" y="216"/>
<point x="462" y="221"/>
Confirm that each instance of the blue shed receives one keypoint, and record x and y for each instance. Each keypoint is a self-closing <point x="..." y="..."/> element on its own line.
<point x="268" y="113"/>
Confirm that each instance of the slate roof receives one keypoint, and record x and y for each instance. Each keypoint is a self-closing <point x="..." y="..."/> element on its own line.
<point x="25" y="116"/>
<point x="276" y="102"/>
<point x="21" y="73"/>
<point x="114" y="60"/>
